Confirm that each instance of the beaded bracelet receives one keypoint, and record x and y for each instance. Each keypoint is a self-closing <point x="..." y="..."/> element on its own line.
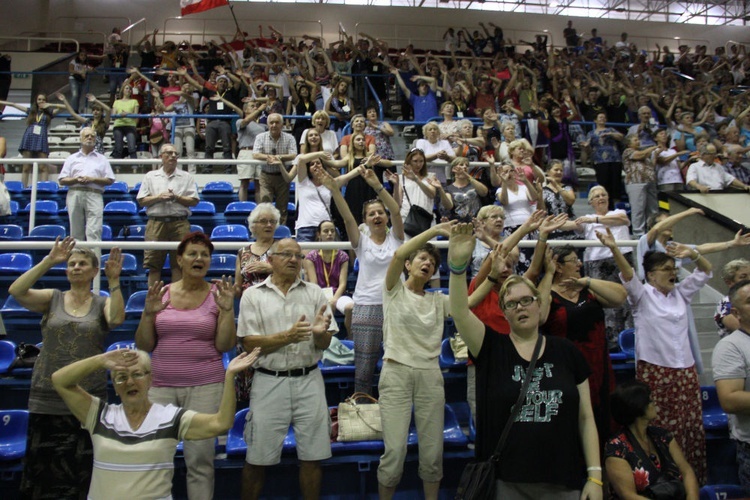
<point x="457" y="270"/>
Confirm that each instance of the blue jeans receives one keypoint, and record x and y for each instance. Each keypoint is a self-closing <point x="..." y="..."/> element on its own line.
<point x="306" y="233"/>
<point x="76" y="92"/>
<point x="121" y="133"/>
<point x="743" y="463"/>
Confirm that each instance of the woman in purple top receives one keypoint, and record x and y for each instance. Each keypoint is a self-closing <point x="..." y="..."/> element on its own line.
<point x="329" y="269"/>
<point x="186" y="327"/>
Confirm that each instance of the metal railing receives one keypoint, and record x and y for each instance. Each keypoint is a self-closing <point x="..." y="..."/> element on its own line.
<point x="28" y="40"/>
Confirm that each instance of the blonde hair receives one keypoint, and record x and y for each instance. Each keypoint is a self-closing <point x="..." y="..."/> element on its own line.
<point x="322" y="113"/>
<point x="596" y="188"/>
<point x="519" y="143"/>
<point x="487" y="210"/>
<point x="427" y="126"/>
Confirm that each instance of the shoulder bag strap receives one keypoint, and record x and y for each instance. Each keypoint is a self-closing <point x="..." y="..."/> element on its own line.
<point x="521" y="395"/>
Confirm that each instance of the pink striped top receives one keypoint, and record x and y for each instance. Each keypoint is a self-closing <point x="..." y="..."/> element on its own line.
<point x="185" y="353"/>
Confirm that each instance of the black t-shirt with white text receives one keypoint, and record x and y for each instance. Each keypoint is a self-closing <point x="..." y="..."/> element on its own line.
<point x="544" y="444"/>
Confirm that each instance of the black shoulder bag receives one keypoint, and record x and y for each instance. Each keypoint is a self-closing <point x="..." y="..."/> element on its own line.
<point x="418" y="220"/>
<point x="478" y="478"/>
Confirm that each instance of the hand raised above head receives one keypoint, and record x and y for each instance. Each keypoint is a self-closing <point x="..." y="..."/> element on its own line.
<point x="61" y="250"/>
<point x="461" y="246"/>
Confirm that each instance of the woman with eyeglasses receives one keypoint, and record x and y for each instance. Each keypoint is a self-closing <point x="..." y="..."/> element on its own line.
<point x="186" y="326"/>
<point x="75" y="325"/>
<point x="552" y="450"/>
<point x="374" y="247"/>
<point x="135" y="441"/>
<point x="577" y="314"/>
<point x="252" y="261"/>
<point x="663" y="348"/>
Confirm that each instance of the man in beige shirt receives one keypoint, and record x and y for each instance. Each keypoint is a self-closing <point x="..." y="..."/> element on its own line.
<point x="167" y="194"/>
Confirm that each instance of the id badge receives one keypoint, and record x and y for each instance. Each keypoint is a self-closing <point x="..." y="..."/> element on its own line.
<point x="307" y="113"/>
<point x="117" y="64"/>
<point x="375" y="68"/>
<point x="220" y="106"/>
<point x="439" y="94"/>
<point x="37" y="130"/>
<point x="346" y="109"/>
<point x="136" y="91"/>
<point x="460" y="114"/>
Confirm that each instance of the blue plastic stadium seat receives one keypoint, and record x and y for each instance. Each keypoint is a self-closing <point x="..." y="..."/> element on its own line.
<point x="714" y="417"/>
<point x="135" y="232"/>
<point x="203" y="208"/>
<point x="223" y="263"/>
<point x="196" y="228"/>
<point x="13" y="427"/>
<point x="15" y="263"/>
<point x="236" y="445"/>
<point x="10" y="232"/>
<point x="121" y="208"/>
<point x="106" y="232"/>
<point x="627" y="342"/>
<point x="453" y="436"/>
<point x="136" y="303"/>
<point x="45" y="187"/>
<point x="218" y="187"/>
<point x="240" y="208"/>
<point x="117" y="187"/>
<point x="444" y="291"/>
<point x="129" y="264"/>
<point x="47" y="232"/>
<point x="447" y="358"/>
<point x="7" y="356"/>
<point x="14" y="207"/>
<point x="230" y="232"/>
<point x="46" y="207"/>
<point x="282" y="232"/>
<point x="723" y="492"/>
<point x="14" y="187"/>
<point x="12" y="309"/>
<point x="122" y="344"/>
<point x="291" y="208"/>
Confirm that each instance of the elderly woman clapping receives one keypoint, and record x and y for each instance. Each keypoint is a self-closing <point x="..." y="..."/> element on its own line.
<point x="135" y="441"/>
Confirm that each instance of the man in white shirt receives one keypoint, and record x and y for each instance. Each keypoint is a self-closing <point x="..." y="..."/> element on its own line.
<point x="706" y="175"/>
<point x="86" y="173"/>
<point x="731" y="369"/>
<point x="289" y="319"/>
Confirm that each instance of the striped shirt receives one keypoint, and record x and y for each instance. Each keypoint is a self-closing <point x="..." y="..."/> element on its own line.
<point x="185" y="353"/>
<point x="266" y="144"/>
<point x="134" y="463"/>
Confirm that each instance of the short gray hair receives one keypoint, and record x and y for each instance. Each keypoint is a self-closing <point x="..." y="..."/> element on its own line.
<point x="263" y="208"/>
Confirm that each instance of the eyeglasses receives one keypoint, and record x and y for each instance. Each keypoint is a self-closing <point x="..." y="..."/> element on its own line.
<point x="523" y="301"/>
<point x="170" y="153"/>
<point x="290" y="255"/>
<point x="266" y="222"/>
<point x="122" y="377"/>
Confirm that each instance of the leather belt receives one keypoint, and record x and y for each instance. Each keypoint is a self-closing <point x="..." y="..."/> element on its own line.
<point x="271" y="173"/>
<point x="297" y="372"/>
<point x="166" y="219"/>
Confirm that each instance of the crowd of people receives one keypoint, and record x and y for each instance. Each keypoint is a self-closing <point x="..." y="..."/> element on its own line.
<point x="511" y="305"/>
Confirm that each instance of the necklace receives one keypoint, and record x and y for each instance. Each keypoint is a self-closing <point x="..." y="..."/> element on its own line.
<point x="77" y="307"/>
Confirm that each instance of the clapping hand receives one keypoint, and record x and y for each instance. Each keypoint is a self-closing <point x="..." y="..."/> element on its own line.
<point x="154" y="303"/>
<point x="113" y="267"/>
<point x="322" y="321"/>
<point x="224" y="293"/>
<point x="299" y="332"/>
<point x="553" y="223"/>
<point x="61" y="250"/>
<point x="680" y="250"/>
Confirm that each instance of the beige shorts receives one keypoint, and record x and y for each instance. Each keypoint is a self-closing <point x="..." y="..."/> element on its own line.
<point x="247" y="170"/>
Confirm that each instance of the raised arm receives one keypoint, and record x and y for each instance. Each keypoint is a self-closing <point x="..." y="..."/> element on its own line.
<point x="66" y="379"/>
<point x="203" y="425"/>
<point x="352" y="229"/>
<point x="460" y="249"/>
<point x="34" y="299"/>
<point x="396" y="267"/>
<point x="608" y="240"/>
<point x="145" y="335"/>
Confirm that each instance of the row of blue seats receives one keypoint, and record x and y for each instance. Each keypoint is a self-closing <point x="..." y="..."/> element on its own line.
<point x="131" y="232"/>
<point x="221" y="193"/>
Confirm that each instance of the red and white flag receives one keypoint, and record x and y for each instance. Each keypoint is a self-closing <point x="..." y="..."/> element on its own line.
<point x="194" y="6"/>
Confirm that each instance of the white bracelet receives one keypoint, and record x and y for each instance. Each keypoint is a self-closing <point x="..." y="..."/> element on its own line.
<point x="589" y="469"/>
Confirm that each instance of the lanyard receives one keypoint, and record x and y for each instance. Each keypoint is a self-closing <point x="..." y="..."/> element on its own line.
<point x="327" y="270"/>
